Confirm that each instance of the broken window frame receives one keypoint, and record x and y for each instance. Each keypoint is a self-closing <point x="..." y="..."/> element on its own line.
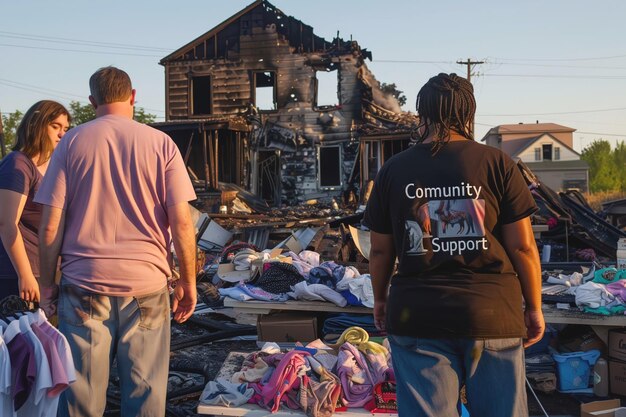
<point x="316" y="103"/>
<point x="374" y="152"/>
<point x="192" y="102"/>
<point x="253" y="93"/>
<point x="320" y="165"/>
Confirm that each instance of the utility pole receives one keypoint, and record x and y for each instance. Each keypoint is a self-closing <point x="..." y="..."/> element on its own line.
<point x="470" y="65"/>
<point x="2" y="149"/>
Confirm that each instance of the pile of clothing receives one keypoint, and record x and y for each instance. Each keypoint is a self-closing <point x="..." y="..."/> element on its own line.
<point x="602" y="291"/>
<point x="36" y="365"/>
<point x="299" y="276"/>
<point x="317" y="378"/>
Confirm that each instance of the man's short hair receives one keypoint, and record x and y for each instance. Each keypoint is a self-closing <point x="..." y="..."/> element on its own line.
<point x="110" y="85"/>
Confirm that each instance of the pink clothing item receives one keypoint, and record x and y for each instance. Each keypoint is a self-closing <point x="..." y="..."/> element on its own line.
<point x="357" y="382"/>
<point x="60" y="381"/>
<point x="618" y="289"/>
<point x="284" y="378"/>
<point x="115" y="178"/>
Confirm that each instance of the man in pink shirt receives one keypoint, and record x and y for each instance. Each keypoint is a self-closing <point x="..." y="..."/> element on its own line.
<point x="112" y="193"/>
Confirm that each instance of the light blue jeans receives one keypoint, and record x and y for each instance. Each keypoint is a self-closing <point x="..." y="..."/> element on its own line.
<point x="135" y="330"/>
<point x="430" y="373"/>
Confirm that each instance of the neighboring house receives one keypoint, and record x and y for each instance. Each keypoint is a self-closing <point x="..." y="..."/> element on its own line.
<point x="247" y="103"/>
<point x="547" y="149"/>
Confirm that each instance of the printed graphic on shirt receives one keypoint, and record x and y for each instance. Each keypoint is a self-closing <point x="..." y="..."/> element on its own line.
<point x="415" y="238"/>
<point x="455" y="218"/>
<point x="450" y="226"/>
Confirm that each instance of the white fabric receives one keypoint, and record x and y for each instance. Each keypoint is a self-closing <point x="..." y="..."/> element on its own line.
<point x="360" y="287"/>
<point x="270" y="348"/>
<point x="593" y="295"/>
<point x="304" y="261"/>
<point x="243" y="259"/>
<point x="6" y="403"/>
<point x="37" y="404"/>
<point x="250" y="374"/>
<point x="316" y="292"/>
<point x="351" y="272"/>
<point x="223" y="392"/>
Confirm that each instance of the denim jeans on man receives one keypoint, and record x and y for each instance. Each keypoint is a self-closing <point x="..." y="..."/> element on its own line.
<point x="430" y="373"/>
<point x="135" y="331"/>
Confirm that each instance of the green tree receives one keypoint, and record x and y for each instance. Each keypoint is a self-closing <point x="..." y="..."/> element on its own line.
<point x="603" y="172"/>
<point x="392" y="90"/>
<point x="82" y="113"/>
<point x="142" y="117"/>
<point x="10" y="122"/>
<point x="619" y="158"/>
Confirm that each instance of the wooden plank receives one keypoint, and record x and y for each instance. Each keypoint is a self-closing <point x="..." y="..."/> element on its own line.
<point x="294" y="305"/>
<point x="574" y="316"/>
<point x="250" y="410"/>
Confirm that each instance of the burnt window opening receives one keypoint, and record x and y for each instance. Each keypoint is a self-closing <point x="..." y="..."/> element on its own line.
<point x="537" y="154"/>
<point x="547" y="152"/>
<point x="392" y="147"/>
<point x="327" y="88"/>
<point x="265" y="90"/>
<point x="376" y="152"/>
<point x="201" y="95"/>
<point x="330" y="166"/>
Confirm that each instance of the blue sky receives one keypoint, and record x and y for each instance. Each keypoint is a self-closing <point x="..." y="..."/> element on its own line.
<point x="560" y="61"/>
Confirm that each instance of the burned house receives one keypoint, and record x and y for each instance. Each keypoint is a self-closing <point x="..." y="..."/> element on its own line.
<point x="248" y="104"/>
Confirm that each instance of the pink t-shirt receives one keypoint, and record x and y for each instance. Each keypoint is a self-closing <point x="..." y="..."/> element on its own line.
<point x="115" y="178"/>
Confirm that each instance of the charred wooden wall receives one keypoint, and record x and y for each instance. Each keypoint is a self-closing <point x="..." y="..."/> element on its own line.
<point x="232" y="90"/>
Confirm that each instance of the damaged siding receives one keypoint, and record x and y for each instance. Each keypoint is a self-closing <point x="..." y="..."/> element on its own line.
<point x="232" y="90"/>
<point x="283" y="147"/>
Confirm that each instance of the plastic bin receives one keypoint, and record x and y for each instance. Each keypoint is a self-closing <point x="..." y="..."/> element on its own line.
<point x="574" y="369"/>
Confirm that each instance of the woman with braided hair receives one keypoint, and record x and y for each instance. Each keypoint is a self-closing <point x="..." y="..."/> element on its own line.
<point x="461" y="312"/>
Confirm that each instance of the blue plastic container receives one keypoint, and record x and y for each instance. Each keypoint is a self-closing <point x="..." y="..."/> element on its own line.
<point x="574" y="369"/>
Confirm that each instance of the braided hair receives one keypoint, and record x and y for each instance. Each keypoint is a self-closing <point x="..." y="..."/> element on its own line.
<point x="445" y="103"/>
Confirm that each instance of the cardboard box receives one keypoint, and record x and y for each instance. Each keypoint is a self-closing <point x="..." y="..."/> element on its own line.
<point x="580" y="338"/>
<point x="287" y="327"/>
<point x="617" y="377"/>
<point x="617" y="344"/>
<point x="599" y="408"/>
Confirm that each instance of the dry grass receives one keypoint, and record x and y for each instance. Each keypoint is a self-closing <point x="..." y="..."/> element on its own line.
<point x="595" y="200"/>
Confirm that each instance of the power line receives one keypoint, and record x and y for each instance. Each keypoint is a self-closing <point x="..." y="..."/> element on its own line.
<point x="598" y="58"/>
<point x="601" y="77"/>
<point x="61" y="94"/>
<point x="470" y="65"/>
<point x="407" y="61"/>
<point x="519" y="64"/>
<point x="78" y="50"/>
<point x="603" y="134"/>
<point x="552" y="113"/>
<point x="38" y="89"/>
<point x="80" y="42"/>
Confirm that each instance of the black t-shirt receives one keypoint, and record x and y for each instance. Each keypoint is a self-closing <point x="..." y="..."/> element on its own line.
<point x="445" y="212"/>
